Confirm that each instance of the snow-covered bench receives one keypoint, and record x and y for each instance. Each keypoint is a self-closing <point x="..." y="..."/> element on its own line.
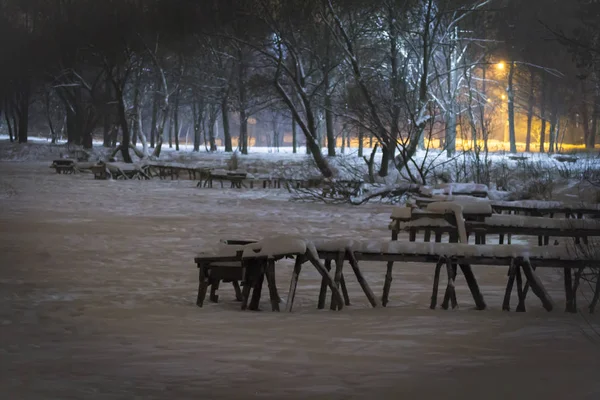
<point x="252" y="261"/>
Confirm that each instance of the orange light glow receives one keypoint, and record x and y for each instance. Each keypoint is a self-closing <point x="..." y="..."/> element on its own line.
<point x="501" y="65"/>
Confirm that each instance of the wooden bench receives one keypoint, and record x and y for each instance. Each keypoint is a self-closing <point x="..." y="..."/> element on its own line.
<point x="64" y="166"/>
<point x="100" y="171"/>
<point x="236" y="179"/>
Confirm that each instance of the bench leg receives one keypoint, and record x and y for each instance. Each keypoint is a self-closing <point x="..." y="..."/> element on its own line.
<point x="273" y="295"/>
<point x="387" y="284"/>
<point x="238" y="291"/>
<point x="257" y="289"/>
<point x="202" y="286"/>
<point x="294" y="283"/>
<point x="436" y="283"/>
<point x="339" y="264"/>
<point x="214" y="286"/>
<point x="323" y="290"/>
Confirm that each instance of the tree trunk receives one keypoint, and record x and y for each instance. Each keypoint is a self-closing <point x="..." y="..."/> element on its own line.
<point x="176" y="119"/>
<point x="135" y="127"/>
<point x="553" y="125"/>
<point x="226" y="130"/>
<point x="198" y="115"/>
<point x="155" y="106"/>
<point x="294" y="137"/>
<point x="9" y="125"/>
<point x="585" y="116"/>
<point x="595" y="116"/>
<point x="531" y="100"/>
<point x="106" y="130"/>
<point x="511" y="108"/>
<point x="361" y="137"/>
<point x="125" y="138"/>
<point x="49" y="117"/>
<point x="243" y="145"/>
<point x="543" y="115"/>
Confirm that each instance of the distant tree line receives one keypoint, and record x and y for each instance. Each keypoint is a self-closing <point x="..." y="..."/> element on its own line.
<point x="400" y="72"/>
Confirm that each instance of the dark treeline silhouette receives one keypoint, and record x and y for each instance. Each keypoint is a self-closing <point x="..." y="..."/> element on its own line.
<point x="399" y="72"/>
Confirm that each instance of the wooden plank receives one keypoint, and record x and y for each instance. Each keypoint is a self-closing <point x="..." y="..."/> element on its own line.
<point x="536" y="286"/>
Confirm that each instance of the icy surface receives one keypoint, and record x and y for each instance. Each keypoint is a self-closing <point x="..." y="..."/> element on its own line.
<point x="98" y="289"/>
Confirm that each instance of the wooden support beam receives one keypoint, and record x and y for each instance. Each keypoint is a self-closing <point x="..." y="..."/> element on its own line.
<point x="536" y="285"/>
<point x="314" y="260"/>
<point x="202" y="285"/>
<point x="361" y="279"/>
<point x="345" y="291"/>
<point x="214" y="286"/>
<point x="339" y="265"/>
<point x="387" y="284"/>
<point x="294" y="282"/>
<point x="323" y="290"/>
<point x="450" y="294"/>
<point x="569" y="294"/>
<point x="520" y="294"/>
<point x="473" y="286"/>
<point x="273" y="295"/>
<point x="594" y="301"/>
<point x="238" y="291"/>
<point x="509" y="286"/>
<point x="436" y="282"/>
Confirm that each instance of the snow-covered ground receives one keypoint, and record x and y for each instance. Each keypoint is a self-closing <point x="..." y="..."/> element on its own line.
<point x="98" y="285"/>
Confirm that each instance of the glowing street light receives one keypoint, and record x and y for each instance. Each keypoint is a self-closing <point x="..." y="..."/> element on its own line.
<point x="501" y="65"/>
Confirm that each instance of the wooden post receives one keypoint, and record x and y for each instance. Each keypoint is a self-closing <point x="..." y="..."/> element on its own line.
<point x="294" y="283"/>
<point x="387" y="284"/>
<point x="450" y="294"/>
<point x="427" y="237"/>
<point x="238" y="291"/>
<point x="473" y="286"/>
<point x="248" y="282"/>
<point x="436" y="282"/>
<point x="202" y="285"/>
<point x="257" y="287"/>
<point x="412" y="235"/>
<point x="214" y="286"/>
<point x="596" y="297"/>
<point x="536" y="286"/>
<point x="345" y="291"/>
<point x="313" y="258"/>
<point x="361" y="280"/>
<point x="520" y="294"/>
<point x="273" y="295"/>
<point x="509" y="285"/>
<point x="339" y="264"/>
<point x="569" y="295"/>
<point x="323" y="290"/>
